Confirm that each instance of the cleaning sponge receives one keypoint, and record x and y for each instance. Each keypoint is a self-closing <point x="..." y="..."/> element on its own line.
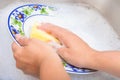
<point x="41" y="35"/>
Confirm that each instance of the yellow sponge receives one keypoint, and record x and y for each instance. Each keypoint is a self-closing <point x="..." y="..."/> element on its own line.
<point x="41" y="35"/>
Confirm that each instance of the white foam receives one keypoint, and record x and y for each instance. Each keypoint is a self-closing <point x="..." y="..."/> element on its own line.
<point x="86" y="22"/>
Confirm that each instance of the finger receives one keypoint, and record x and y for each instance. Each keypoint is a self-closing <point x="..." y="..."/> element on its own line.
<point x="62" y="34"/>
<point x="15" y="47"/>
<point x="26" y="69"/>
<point x="31" y="71"/>
<point x="64" y="53"/>
<point x="20" y="65"/>
<point x="16" y="50"/>
<point x="23" y="41"/>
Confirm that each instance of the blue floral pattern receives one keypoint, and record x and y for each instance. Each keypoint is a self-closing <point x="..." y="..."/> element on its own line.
<point x="19" y="15"/>
<point x="14" y="31"/>
<point x="36" y="7"/>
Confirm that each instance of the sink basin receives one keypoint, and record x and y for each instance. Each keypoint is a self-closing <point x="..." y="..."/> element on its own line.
<point x="110" y="9"/>
<point x="98" y="20"/>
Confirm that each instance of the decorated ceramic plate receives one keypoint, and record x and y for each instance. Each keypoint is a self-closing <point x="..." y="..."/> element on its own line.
<point x="21" y="19"/>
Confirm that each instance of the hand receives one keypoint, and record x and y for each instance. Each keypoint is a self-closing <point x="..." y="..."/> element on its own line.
<point x="31" y="54"/>
<point x="76" y="51"/>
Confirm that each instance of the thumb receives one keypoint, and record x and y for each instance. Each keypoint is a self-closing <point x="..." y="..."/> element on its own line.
<point x="64" y="53"/>
<point x="23" y="41"/>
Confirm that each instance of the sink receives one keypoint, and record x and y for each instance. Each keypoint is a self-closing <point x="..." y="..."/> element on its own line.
<point x="110" y="9"/>
<point x="99" y="30"/>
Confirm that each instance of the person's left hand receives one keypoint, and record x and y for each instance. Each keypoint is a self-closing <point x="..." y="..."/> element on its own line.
<point x="31" y="54"/>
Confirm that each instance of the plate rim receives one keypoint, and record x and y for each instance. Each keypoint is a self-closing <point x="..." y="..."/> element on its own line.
<point x="11" y="14"/>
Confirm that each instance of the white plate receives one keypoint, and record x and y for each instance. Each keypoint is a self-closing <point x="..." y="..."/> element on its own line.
<point x="21" y="19"/>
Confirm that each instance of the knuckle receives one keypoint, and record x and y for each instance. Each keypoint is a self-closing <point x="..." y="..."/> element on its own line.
<point x="18" y="66"/>
<point x="17" y="55"/>
<point x="26" y="71"/>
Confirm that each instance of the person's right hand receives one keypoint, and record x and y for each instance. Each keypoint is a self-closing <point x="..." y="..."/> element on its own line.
<point x="75" y="50"/>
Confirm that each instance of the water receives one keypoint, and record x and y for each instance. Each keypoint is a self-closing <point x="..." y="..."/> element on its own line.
<point x="81" y="19"/>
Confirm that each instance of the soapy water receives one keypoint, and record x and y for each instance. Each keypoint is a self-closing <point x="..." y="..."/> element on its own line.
<point x="82" y="20"/>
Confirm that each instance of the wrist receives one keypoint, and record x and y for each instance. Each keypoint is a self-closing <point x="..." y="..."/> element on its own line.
<point x="90" y="60"/>
<point x="53" y="68"/>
